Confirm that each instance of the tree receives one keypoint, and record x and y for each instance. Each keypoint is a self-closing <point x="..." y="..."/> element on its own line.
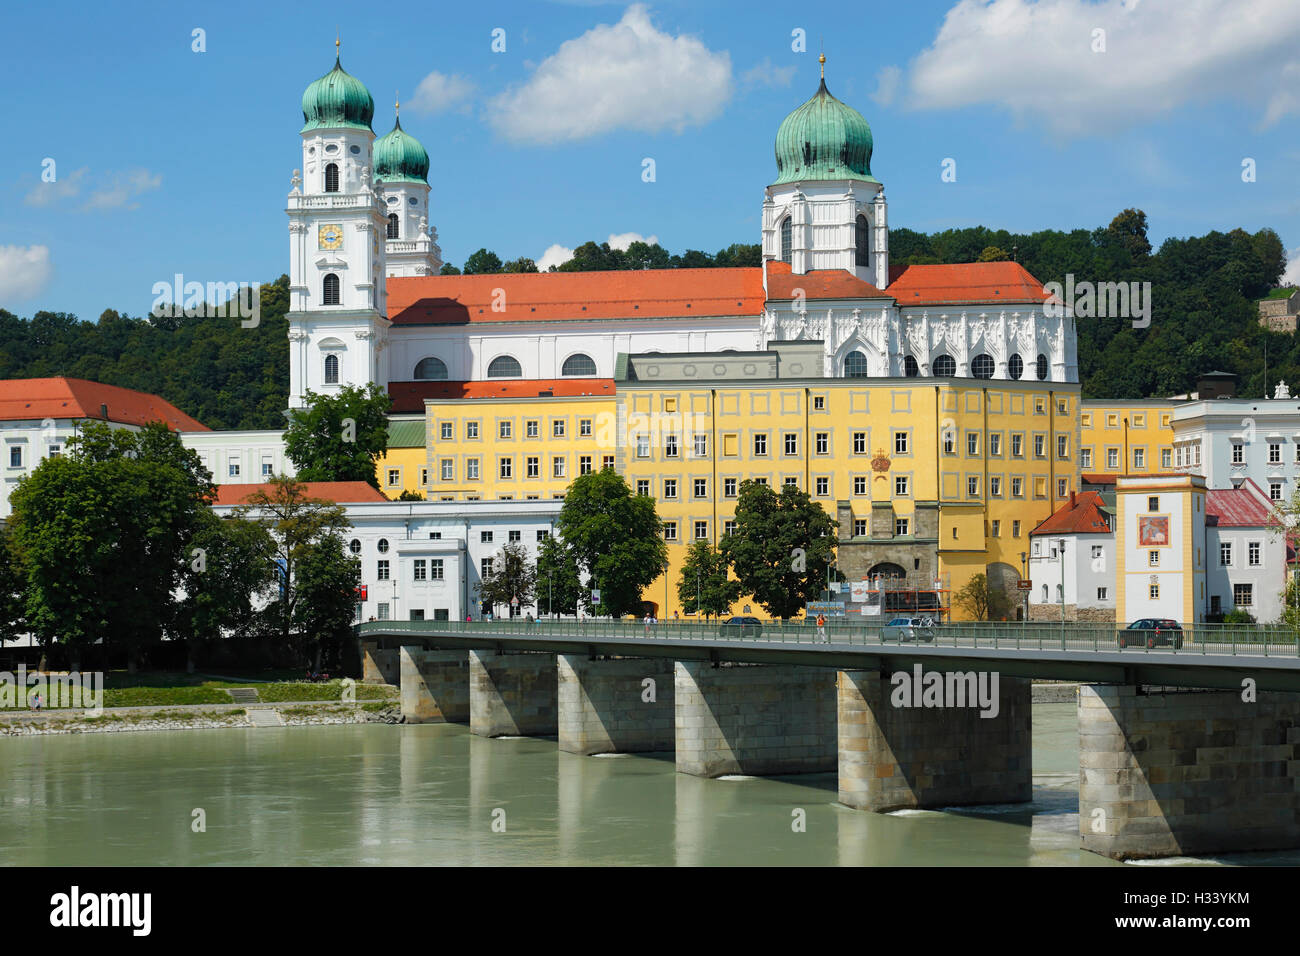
<point x="616" y="538"/>
<point x="102" y="533"/>
<point x="993" y="254"/>
<point x="782" y="547"/>
<point x="558" y="580"/>
<point x="1129" y="230"/>
<point x="448" y="270"/>
<point x="297" y="523"/>
<point x="522" y="264"/>
<point x="705" y="574"/>
<point x="981" y="600"/>
<point x="408" y="495"/>
<point x="482" y="262"/>
<point x="512" y="576"/>
<point x="12" y="597"/>
<point x="340" y="437"/>
<point x="328" y="578"/>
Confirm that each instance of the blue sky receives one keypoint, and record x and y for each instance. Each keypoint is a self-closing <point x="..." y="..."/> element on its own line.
<point x="169" y="160"/>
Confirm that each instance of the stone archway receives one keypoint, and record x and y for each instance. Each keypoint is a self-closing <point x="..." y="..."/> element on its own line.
<point x="1003" y="579"/>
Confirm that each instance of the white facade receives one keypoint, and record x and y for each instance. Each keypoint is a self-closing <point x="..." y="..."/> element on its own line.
<point x="241" y="457"/>
<point x="28" y="443"/>
<point x="1247" y="571"/>
<point x="823" y="227"/>
<point x="1230" y="439"/>
<point x="414" y="250"/>
<point x="1088" y="581"/>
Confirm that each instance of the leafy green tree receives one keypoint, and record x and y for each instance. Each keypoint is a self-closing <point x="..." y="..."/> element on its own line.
<point x="1129" y="230"/>
<point x="13" y="619"/>
<point x="297" y="524"/>
<point x="102" y="533"/>
<point x="448" y="270"/>
<point x="482" y="262"/>
<point x="705" y="573"/>
<point x="993" y="254"/>
<point x="739" y="254"/>
<point x="340" y="437"/>
<point x="559" y="585"/>
<point x="327" y="582"/>
<point x="982" y="600"/>
<point x="643" y="255"/>
<point x="782" y="547"/>
<point x="522" y="264"/>
<point x="513" y="576"/>
<point x="616" y="538"/>
<point x="408" y="495"/>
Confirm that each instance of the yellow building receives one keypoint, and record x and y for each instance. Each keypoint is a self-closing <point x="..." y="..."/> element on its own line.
<point x="404" y="467"/>
<point x="1129" y="437"/>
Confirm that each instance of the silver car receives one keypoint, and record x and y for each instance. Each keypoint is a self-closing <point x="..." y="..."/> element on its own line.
<point x="908" y="629"/>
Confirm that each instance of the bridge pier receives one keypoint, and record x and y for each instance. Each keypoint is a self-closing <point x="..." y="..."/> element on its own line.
<point x="512" y="694"/>
<point x="608" y="706"/>
<point x="1188" y="772"/>
<point x="434" y="686"/>
<point x="916" y="757"/>
<point x="761" y="719"/>
<point x="379" y="664"/>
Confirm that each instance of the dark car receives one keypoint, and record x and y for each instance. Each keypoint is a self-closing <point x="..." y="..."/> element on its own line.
<point x="740" y="627"/>
<point x="1152" y="632"/>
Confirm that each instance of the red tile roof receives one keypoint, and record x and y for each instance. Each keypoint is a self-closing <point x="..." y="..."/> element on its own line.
<point x="339" y="492"/>
<point x="539" y="296"/>
<point x="1244" y="507"/>
<point x="966" y="282"/>
<point x="1085" y="515"/>
<point x="818" y="284"/>
<point x="26" y="399"/>
<point x="410" y="396"/>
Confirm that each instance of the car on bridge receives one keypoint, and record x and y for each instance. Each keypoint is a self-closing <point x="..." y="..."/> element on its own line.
<point x="740" y="627"/>
<point x="908" y="629"/>
<point x="1152" y="632"/>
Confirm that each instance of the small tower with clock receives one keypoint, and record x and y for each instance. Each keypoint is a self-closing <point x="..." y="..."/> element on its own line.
<point x="337" y="309"/>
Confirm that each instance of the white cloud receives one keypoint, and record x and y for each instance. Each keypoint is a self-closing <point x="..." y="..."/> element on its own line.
<point x="555" y="255"/>
<point x="1292" y="274"/>
<point x="439" y="92"/>
<point x="122" y="188"/>
<point x="765" y="74"/>
<point x="887" y="80"/>
<point x="46" y="194"/>
<point x="622" y="240"/>
<point x="622" y="76"/>
<point x="24" y="272"/>
<point x="1037" y="59"/>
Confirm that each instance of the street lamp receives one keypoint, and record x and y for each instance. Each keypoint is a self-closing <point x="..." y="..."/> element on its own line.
<point x="550" y="595"/>
<point x="1024" y="620"/>
<point x="1061" y="549"/>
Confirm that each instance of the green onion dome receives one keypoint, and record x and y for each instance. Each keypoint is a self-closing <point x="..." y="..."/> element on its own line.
<point x="823" y="139"/>
<point x="337" y="100"/>
<point x="399" y="158"/>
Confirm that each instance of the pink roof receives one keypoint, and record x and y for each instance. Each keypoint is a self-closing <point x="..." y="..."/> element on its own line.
<point x="339" y="492"/>
<point x="1244" y="507"/>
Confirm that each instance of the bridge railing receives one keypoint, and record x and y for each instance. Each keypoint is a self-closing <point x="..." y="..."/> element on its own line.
<point x="1234" y="639"/>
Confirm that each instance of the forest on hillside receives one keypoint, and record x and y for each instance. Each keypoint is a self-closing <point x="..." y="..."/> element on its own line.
<point x="1204" y="317"/>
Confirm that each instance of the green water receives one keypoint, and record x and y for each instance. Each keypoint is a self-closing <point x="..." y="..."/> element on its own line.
<point x="426" y="794"/>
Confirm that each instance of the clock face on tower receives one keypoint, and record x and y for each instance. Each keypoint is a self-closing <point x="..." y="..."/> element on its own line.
<point x="331" y="237"/>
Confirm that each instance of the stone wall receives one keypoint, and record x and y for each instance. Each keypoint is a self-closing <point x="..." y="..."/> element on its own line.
<point x="380" y="665"/>
<point x="1051" y="613"/>
<point x="1184" y="773"/>
<point x="604" y="706"/>
<point x="754" y="719"/>
<point x="893" y="758"/>
<point x="512" y="694"/>
<point x="435" y="686"/>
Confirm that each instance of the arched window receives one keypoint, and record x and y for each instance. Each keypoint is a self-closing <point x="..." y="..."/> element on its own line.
<point x="863" y="240"/>
<point x="910" y="368"/>
<point x="332" y="178"/>
<point x="1044" y="593"/>
<point x="944" y="366"/>
<point x="331" y="289"/>
<point x="503" y="366"/>
<point x="855" y="365"/>
<point x="393" y="228"/>
<point x="1042" y="368"/>
<point x="982" y="367"/>
<point x="331" y="370"/>
<point x="1015" y="366"/>
<point x="431" y="370"/>
<point x="580" y="365"/>
<point x="787" y="240"/>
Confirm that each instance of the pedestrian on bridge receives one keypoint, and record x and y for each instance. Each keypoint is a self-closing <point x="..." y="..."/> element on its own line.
<point x="821" y="628"/>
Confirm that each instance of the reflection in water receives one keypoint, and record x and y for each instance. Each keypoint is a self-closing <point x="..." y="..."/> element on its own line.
<point x="425" y="794"/>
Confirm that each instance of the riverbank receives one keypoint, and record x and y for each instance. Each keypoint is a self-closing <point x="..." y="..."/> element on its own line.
<point x="197" y="717"/>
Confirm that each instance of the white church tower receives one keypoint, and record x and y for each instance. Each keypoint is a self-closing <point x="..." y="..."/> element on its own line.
<point x="402" y="174"/>
<point x="826" y="210"/>
<point x="337" y="311"/>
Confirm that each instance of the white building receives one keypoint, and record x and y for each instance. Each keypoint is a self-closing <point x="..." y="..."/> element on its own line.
<point x="1228" y="440"/>
<point x="240" y="457"/>
<point x="1247" y="553"/>
<point x="1071" y="562"/>
<point x="1160" y="548"/>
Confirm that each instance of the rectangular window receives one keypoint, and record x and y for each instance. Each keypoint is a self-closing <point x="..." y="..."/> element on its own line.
<point x="506" y="468"/>
<point x="1017" y="487"/>
<point x="670" y="488"/>
<point x="792" y="443"/>
<point x="701" y="530"/>
<point x="471" y="469"/>
<point x="1062" y="446"/>
<point x="534" y="463"/>
<point x="760" y="445"/>
<point x="1243" y="595"/>
<point x="471" y="429"/>
<point x="485" y="568"/>
<point x="972" y="487"/>
<point x="701" y="445"/>
<point x="383" y="611"/>
<point x="728" y="528"/>
<point x="823" y="487"/>
<point x="542" y="535"/>
<point x="1275" y="490"/>
<point x="1253" y="554"/>
<point x="1153" y="592"/>
<point x="435" y="569"/>
<point x="900" y="527"/>
<point x="670" y="446"/>
<point x="949" y="443"/>
<point x="1166" y="458"/>
<point x="995" y="444"/>
<point x="1112" y="458"/>
<point x="791" y="482"/>
<point x="900" y="443"/>
<point x="1085" y="458"/>
<point x="1017" y="445"/>
<point x="643" y="486"/>
<point x="557" y="428"/>
<point x="1139" y="458"/>
<point x="1153" y="559"/>
<point x="900" y="485"/>
<point x="584" y="428"/>
<point x="670" y="530"/>
<point x="503" y="429"/>
<point x="16" y="461"/>
<point x="418" y="570"/>
<point x="381" y="571"/>
<point x="1101" y="594"/>
<point x="606" y="461"/>
<point x="823" y="443"/>
<point x="514" y="536"/>
<point x="642" y="445"/>
<point x="859" y="484"/>
<point x="448" y="469"/>
<point x="1274" y="453"/>
<point x="394" y="477"/>
<point x="761" y="481"/>
<point x="444" y="431"/>
<point x="435" y="535"/>
<point x="424" y="476"/>
<point x="700" y="488"/>
<point x="729" y="487"/>
<point x="584" y="465"/>
<point x="995" y="486"/>
<point x="558" y="464"/>
<point x="1153" y="503"/>
<point x="995" y="528"/>
<point x="1238" y="454"/>
<point x="1015" y="529"/>
<point x="485" y="537"/>
<point x="1225" y="554"/>
<point x="1040" y="445"/>
<point x="972" y="443"/>
<point x="859" y="443"/>
<point x="859" y="527"/>
<point x="267" y="468"/>
<point x="1062" y="487"/>
<point x="532" y="428"/>
<point x="819" y="403"/>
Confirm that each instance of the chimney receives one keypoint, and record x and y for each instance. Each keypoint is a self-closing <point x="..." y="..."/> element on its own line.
<point x="103" y="411"/>
<point x="1071" y="498"/>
